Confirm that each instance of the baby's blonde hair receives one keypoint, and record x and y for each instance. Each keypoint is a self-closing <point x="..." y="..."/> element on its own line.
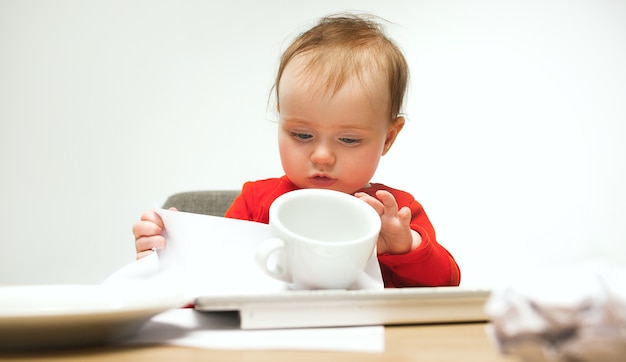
<point x="343" y="46"/>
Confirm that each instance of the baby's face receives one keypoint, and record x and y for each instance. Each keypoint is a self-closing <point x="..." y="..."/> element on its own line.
<point x="332" y="141"/>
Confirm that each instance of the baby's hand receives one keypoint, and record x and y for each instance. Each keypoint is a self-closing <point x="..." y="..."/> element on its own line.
<point x="396" y="236"/>
<point x="149" y="233"/>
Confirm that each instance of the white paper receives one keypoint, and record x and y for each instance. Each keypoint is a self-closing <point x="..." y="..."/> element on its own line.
<point x="216" y="255"/>
<point x="209" y="255"/>
<point x="186" y="327"/>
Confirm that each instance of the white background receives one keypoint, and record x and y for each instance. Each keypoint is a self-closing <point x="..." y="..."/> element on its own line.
<point x="515" y="145"/>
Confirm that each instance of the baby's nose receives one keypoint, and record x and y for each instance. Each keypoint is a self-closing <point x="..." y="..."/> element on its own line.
<point x="323" y="154"/>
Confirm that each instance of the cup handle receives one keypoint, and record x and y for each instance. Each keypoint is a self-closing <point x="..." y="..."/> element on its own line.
<point x="263" y="253"/>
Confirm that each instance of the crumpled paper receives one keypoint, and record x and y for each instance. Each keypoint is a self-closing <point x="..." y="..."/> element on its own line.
<point x="569" y="314"/>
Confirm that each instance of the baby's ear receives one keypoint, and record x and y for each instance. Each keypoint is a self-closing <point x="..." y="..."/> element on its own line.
<point x="392" y="132"/>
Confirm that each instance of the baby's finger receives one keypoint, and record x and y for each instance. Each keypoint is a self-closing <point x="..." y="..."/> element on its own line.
<point x="372" y="201"/>
<point x="405" y="215"/>
<point x="143" y="254"/>
<point x="152" y="216"/>
<point x="389" y="202"/>
<point x="146" y="228"/>
<point x="146" y="243"/>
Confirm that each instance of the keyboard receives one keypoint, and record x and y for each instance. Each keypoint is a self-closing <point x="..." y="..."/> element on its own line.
<point x="335" y="308"/>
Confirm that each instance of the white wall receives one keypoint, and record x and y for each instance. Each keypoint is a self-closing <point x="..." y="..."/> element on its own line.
<point x="515" y="145"/>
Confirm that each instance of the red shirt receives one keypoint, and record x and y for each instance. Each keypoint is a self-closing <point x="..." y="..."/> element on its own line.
<point x="429" y="265"/>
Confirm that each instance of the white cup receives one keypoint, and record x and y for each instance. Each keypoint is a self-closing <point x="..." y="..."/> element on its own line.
<point x="322" y="239"/>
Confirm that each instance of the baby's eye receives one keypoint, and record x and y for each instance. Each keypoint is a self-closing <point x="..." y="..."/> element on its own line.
<point x="301" y="136"/>
<point x="349" y="141"/>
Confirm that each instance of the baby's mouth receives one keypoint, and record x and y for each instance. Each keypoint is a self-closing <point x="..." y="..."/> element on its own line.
<point x="322" y="180"/>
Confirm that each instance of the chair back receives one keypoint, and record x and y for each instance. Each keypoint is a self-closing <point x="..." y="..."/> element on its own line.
<point x="210" y="202"/>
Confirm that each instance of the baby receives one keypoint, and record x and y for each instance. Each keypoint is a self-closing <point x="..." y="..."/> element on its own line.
<point x="339" y="89"/>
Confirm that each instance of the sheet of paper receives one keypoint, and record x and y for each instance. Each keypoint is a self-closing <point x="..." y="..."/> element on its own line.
<point x="208" y="255"/>
<point x="215" y="255"/>
<point x="186" y="327"/>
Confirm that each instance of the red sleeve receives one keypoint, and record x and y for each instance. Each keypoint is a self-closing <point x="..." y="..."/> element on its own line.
<point x="240" y="209"/>
<point x="430" y="264"/>
<point x="253" y="203"/>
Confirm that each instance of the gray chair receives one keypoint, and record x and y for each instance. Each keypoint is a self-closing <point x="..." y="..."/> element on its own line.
<point x="211" y="202"/>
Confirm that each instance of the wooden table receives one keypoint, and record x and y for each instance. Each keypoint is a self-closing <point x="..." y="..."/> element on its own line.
<point x="439" y="342"/>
